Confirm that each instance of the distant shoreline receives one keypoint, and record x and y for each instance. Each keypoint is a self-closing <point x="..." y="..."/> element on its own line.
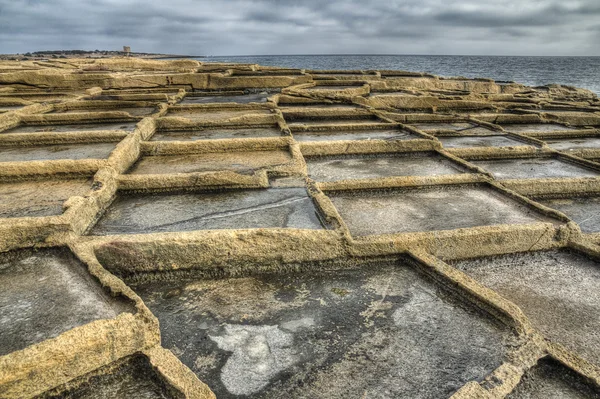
<point x="100" y="54"/>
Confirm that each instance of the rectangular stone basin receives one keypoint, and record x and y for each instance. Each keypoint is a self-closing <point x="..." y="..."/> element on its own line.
<point x="343" y="167"/>
<point x="332" y="121"/>
<point x="7" y="108"/>
<point x="374" y="331"/>
<point x="532" y="168"/>
<point x="584" y="211"/>
<point x="480" y="141"/>
<point x="241" y="209"/>
<point x="74" y="127"/>
<point x="551" y="380"/>
<point x="242" y="162"/>
<point x="193" y="135"/>
<point x="60" y="151"/>
<point x="135" y="378"/>
<point x="46" y="292"/>
<point x="559" y="291"/>
<point x="39" y="197"/>
<point x="563" y="110"/>
<point x="433" y="126"/>
<point x="333" y="135"/>
<point x="214" y="115"/>
<point x="392" y="94"/>
<point x="243" y="99"/>
<point x="339" y="87"/>
<point x="534" y="127"/>
<point x="428" y="209"/>
<point x="295" y="107"/>
<point x="576" y="143"/>
<point x="133" y="111"/>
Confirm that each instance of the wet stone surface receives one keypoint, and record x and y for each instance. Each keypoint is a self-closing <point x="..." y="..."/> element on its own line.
<point x="332" y="168"/>
<point x="39" y="198"/>
<point x="584" y="211"/>
<point x="45" y="293"/>
<point x="551" y="380"/>
<point x="75" y="127"/>
<point x="533" y="168"/>
<point x="557" y="290"/>
<point x="242" y="162"/>
<point x="333" y="135"/>
<point x="50" y="152"/>
<point x="380" y="331"/>
<point x="534" y="127"/>
<point x="214" y="134"/>
<point x="429" y="209"/>
<point x="135" y="379"/>
<point x="244" y="99"/>
<point x="243" y="209"/>
<point x="578" y="143"/>
<point x="480" y="141"/>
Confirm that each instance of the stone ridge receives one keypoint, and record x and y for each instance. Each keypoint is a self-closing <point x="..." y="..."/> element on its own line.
<point x="239" y="230"/>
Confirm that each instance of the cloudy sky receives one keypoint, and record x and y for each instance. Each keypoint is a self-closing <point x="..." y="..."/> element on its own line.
<point x="224" y="27"/>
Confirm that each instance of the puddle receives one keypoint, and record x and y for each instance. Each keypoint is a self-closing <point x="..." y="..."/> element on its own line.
<point x="443" y="126"/>
<point x="533" y="168"/>
<point x="480" y="141"/>
<point x="244" y="99"/>
<point x="45" y="293"/>
<point x="213" y="115"/>
<point x="375" y="332"/>
<point x="81" y="127"/>
<point x="584" y="211"/>
<point x="23" y="199"/>
<point x="243" y="209"/>
<point x="333" y="135"/>
<point x="242" y="162"/>
<point x="190" y="135"/>
<point x="135" y="379"/>
<point x="429" y="209"/>
<point x="534" y="127"/>
<point x="332" y="168"/>
<point x="578" y="143"/>
<point x="62" y="151"/>
<point x="557" y="290"/>
<point x="551" y="380"/>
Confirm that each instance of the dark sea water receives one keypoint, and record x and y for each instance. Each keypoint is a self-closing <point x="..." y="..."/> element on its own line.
<point x="534" y="71"/>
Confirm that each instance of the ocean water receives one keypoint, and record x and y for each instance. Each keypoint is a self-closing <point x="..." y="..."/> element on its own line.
<point x="534" y="71"/>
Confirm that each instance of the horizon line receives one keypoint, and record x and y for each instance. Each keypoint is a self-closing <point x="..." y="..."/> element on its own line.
<point x="379" y="54"/>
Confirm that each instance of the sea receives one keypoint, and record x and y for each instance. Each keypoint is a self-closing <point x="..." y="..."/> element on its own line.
<point x="581" y="72"/>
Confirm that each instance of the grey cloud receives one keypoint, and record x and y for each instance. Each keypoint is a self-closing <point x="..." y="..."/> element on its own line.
<point x="302" y="27"/>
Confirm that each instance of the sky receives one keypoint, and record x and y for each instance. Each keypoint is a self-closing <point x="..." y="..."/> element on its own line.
<point x="224" y="27"/>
